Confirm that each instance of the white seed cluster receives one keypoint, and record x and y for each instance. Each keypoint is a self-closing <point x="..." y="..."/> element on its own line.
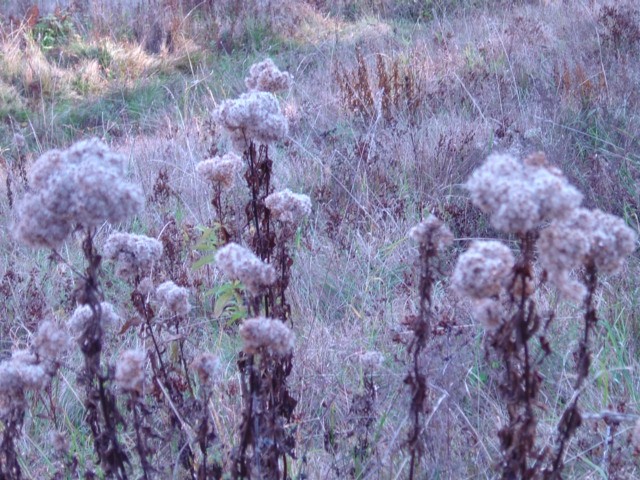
<point x="521" y="196"/>
<point x="82" y="186"/>
<point x="207" y="367"/>
<point x="288" y="207"/>
<point x="134" y="254"/>
<point x="255" y="116"/>
<point x="432" y="231"/>
<point x="239" y="263"/>
<point x="173" y="298"/>
<point x="266" y="335"/>
<point x="82" y="315"/>
<point x="30" y="369"/>
<point x="266" y="77"/>
<point x="586" y="236"/>
<point x="484" y="270"/>
<point x="221" y="171"/>
<point x="50" y="341"/>
<point x="130" y="371"/>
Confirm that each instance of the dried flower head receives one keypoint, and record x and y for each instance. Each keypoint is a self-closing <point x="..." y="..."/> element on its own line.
<point x="82" y="186"/>
<point x="130" y="371"/>
<point x="50" y="341"/>
<point x="371" y="361"/>
<point x="32" y="374"/>
<point x="255" y="116"/>
<point x="288" y="207"/>
<point x="520" y="196"/>
<point x="586" y="236"/>
<point x="134" y="254"/>
<point x="266" y="77"/>
<point x="266" y="335"/>
<point x="432" y="231"/>
<point x="173" y="298"/>
<point x="483" y="270"/>
<point x="221" y="170"/>
<point x="239" y="263"/>
<point x="487" y="312"/>
<point x="82" y="315"/>
<point x="207" y="366"/>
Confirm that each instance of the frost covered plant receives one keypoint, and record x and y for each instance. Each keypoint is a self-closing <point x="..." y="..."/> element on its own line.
<point x="130" y="371"/>
<point x="239" y="263"/>
<point x="266" y="77"/>
<point x="220" y="171"/>
<point x="254" y="117"/>
<point x="483" y="270"/>
<point x="134" y="255"/>
<point x="173" y="298"/>
<point x="519" y="195"/>
<point x="83" y="186"/>
<point x="266" y="335"/>
<point x="287" y="207"/>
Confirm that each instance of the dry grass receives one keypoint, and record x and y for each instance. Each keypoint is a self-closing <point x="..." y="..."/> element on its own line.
<point x="390" y="112"/>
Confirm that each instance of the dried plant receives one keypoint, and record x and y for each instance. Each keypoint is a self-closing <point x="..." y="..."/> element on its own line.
<point x="520" y="197"/>
<point x="432" y="236"/>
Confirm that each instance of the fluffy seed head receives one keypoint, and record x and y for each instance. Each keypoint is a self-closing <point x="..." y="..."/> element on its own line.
<point x="82" y="186"/>
<point x="82" y="315"/>
<point x="585" y="236"/>
<point x="239" y="263"/>
<point x="520" y="196"/>
<point x="288" y="207"/>
<point x="483" y="270"/>
<point x="265" y="335"/>
<point x="487" y="312"/>
<point x="134" y="254"/>
<point x="173" y="298"/>
<point x="207" y="366"/>
<point x="220" y="170"/>
<point x="130" y="371"/>
<point x="266" y="77"/>
<point x="432" y="231"/>
<point x="255" y="116"/>
<point x="50" y="341"/>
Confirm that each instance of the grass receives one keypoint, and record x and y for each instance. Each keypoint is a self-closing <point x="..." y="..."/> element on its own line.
<point x="489" y="77"/>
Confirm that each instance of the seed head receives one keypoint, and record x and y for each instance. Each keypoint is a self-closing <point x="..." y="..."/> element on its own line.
<point x="221" y="170"/>
<point x="239" y="263"/>
<point x="50" y="341"/>
<point x="520" y="196"/>
<point x="207" y="366"/>
<point x="82" y="315"/>
<point x="483" y="270"/>
<point x="487" y="312"/>
<point x="586" y="236"/>
<point x="134" y="254"/>
<point x="130" y="371"/>
<point x="265" y="335"/>
<point x="255" y="116"/>
<point x="432" y="231"/>
<point x="288" y="208"/>
<point x="173" y="298"/>
<point x="266" y="77"/>
<point x="82" y="186"/>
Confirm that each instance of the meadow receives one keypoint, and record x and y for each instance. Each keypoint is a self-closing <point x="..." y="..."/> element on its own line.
<point x="311" y="239"/>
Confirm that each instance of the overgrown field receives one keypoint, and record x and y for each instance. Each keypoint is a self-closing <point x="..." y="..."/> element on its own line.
<point x="319" y="239"/>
